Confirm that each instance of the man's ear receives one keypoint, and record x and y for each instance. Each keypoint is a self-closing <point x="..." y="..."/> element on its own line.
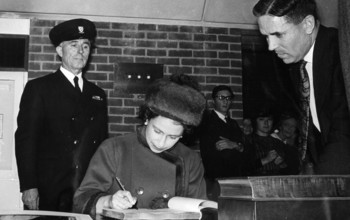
<point x="309" y="24"/>
<point x="59" y="50"/>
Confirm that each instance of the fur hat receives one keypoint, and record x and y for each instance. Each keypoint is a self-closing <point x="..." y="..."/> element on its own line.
<point x="71" y="30"/>
<point x="176" y="100"/>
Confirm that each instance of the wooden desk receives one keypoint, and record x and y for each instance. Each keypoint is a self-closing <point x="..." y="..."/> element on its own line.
<point x="285" y="197"/>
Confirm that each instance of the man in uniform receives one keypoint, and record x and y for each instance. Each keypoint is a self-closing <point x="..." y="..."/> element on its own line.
<point x="61" y="122"/>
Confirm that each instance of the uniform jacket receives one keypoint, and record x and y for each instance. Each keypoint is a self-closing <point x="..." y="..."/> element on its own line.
<point x="147" y="175"/>
<point x="225" y="163"/>
<point x="58" y="132"/>
<point x="331" y="104"/>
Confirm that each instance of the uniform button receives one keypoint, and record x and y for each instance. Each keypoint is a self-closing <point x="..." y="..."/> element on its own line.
<point x="73" y="119"/>
<point x="76" y="166"/>
<point x="94" y="141"/>
<point x="92" y="118"/>
<point x="75" y="141"/>
<point x="140" y="191"/>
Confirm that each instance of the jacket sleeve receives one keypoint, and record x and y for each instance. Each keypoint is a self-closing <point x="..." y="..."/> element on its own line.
<point x="98" y="180"/>
<point x="30" y="126"/>
<point x="197" y="186"/>
<point x="340" y="113"/>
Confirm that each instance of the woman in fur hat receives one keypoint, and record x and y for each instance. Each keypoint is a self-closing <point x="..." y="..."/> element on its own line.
<point x="151" y="164"/>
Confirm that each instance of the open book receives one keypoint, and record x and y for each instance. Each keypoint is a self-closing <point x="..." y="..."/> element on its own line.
<point x="179" y="208"/>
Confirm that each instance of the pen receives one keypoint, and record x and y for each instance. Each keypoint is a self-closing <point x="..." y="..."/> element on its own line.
<point x="120" y="183"/>
<point x="123" y="188"/>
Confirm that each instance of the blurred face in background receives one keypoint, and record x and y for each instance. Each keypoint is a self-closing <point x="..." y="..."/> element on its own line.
<point x="288" y="128"/>
<point x="162" y="133"/>
<point x="264" y="125"/>
<point x="247" y="126"/>
<point x="222" y="101"/>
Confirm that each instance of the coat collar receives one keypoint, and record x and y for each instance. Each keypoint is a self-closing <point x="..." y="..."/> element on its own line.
<point x="169" y="156"/>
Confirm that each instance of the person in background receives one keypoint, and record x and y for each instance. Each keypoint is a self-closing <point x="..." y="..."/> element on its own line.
<point x="271" y="156"/>
<point x="294" y="33"/>
<point x="151" y="163"/>
<point x="221" y="142"/>
<point x="287" y="129"/>
<point x="60" y="123"/>
<point x="247" y="126"/>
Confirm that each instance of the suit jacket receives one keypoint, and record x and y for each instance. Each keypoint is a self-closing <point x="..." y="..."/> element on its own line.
<point x="147" y="175"/>
<point x="58" y="132"/>
<point x="333" y="154"/>
<point x="225" y="163"/>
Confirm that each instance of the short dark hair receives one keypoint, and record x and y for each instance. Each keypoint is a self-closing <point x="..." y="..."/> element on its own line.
<point x="293" y="10"/>
<point x="286" y="115"/>
<point x="221" y="88"/>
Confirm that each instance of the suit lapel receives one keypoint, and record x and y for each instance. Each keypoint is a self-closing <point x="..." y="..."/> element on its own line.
<point x="321" y="65"/>
<point x="86" y="93"/>
<point x="65" y="93"/>
<point x="217" y="118"/>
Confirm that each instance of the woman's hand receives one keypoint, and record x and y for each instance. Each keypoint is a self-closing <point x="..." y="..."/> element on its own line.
<point x="278" y="160"/>
<point x="271" y="155"/>
<point x="121" y="200"/>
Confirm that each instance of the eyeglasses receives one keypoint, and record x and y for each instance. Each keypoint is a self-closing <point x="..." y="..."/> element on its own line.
<point x="227" y="98"/>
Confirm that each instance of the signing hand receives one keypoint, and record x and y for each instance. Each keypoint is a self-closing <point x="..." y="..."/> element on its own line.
<point x="30" y="198"/>
<point x="121" y="200"/>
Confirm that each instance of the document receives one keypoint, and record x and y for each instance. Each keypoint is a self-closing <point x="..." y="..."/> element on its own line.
<point x="179" y="208"/>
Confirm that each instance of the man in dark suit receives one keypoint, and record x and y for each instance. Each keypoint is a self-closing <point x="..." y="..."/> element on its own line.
<point x="61" y="122"/>
<point x="294" y="33"/>
<point x="221" y="141"/>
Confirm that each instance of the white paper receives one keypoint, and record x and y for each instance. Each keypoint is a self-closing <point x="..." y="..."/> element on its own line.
<point x="190" y="204"/>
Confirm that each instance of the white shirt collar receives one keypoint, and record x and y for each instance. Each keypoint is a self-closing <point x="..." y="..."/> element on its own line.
<point x="70" y="76"/>
<point x="309" y="56"/>
<point x="221" y="116"/>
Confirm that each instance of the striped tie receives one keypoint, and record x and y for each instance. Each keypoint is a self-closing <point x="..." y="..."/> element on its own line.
<point x="305" y="106"/>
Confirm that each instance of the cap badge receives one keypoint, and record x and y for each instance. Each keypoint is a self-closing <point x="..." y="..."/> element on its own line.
<point x="81" y="29"/>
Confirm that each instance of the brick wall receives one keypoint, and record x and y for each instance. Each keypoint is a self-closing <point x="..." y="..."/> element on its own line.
<point x="212" y="55"/>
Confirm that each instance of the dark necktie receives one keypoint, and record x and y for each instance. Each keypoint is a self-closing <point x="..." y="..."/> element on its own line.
<point x="76" y="85"/>
<point x="305" y="106"/>
<point x="227" y="119"/>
